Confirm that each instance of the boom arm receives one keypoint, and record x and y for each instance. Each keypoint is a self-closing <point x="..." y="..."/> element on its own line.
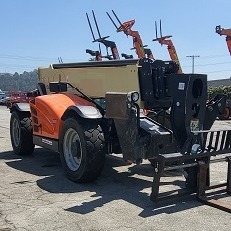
<point x="165" y="40"/>
<point x="111" y="45"/>
<point x="171" y="49"/>
<point x="126" y="27"/>
<point x="227" y="32"/>
<point x="137" y="42"/>
<point x="106" y="43"/>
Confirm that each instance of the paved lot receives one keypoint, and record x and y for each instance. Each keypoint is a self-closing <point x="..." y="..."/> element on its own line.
<point x="35" y="195"/>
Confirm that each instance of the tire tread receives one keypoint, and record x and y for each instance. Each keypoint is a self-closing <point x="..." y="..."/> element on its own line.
<point x="92" y="139"/>
<point x="26" y="146"/>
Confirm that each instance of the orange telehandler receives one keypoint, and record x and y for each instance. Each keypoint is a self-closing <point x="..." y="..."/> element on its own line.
<point x="104" y="41"/>
<point x="165" y="40"/>
<point x="126" y="27"/>
<point x="108" y="44"/>
<point x="227" y="33"/>
<point x="99" y="111"/>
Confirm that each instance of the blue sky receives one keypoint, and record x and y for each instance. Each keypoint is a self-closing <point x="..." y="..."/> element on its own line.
<point x="36" y="32"/>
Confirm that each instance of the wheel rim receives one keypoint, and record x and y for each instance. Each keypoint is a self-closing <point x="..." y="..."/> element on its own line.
<point x="72" y="149"/>
<point x="16" y="133"/>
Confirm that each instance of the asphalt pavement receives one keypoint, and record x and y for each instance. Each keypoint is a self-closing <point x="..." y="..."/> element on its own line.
<point x="35" y="195"/>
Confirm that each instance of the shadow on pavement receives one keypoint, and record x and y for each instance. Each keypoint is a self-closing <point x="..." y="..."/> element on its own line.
<point x="112" y="185"/>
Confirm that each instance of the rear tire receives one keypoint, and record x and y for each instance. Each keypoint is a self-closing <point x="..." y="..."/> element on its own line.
<point x="82" y="150"/>
<point x="21" y="133"/>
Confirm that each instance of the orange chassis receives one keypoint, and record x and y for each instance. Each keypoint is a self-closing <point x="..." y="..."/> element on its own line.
<point x="48" y="112"/>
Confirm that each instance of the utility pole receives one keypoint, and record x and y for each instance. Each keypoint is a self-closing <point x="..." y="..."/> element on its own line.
<point x="193" y="57"/>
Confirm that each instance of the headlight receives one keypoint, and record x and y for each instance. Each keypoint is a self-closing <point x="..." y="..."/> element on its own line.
<point x="133" y="96"/>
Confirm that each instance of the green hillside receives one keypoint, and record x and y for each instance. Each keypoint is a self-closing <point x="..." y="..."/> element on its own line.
<point x="26" y="81"/>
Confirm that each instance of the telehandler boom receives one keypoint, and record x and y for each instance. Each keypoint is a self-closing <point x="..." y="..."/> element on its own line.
<point x="126" y="27"/>
<point x="227" y="33"/>
<point x="165" y="40"/>
<point x="103" y="40"/>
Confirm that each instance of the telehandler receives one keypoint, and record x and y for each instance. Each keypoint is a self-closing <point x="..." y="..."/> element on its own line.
<point x="165" y="40"/>
<point x="86" y="110"/>
<point x="141" y="50"/>
<point x="226" y="32"/>
<point x="107" y="43"/>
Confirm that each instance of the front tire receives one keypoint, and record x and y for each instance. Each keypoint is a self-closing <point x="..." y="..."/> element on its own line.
<point x="21" y="133"/>
<point x="82" y="150"/>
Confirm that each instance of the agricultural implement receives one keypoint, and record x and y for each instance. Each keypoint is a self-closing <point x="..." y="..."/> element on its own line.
<point x="99" y="111"/>
<point x="165" y="40"/>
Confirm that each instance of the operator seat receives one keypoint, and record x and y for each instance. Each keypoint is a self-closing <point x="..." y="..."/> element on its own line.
<point x="42" y="89"/>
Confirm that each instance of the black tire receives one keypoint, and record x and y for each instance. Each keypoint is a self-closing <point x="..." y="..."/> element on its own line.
<point x="82" y="150"/>
<point x="21" y="133"/>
